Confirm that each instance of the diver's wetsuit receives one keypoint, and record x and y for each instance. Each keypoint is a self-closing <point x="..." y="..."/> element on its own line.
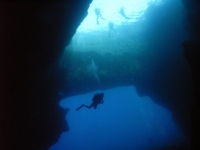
<point x="111" y="27"/>
<point x="97" y="99"/>
<point x="98" y="14"/>
<point x="121" y="11"/>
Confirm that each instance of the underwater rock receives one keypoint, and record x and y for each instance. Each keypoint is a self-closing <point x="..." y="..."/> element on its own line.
<point x="192" y="54"/>
<point x="33" y="35"/>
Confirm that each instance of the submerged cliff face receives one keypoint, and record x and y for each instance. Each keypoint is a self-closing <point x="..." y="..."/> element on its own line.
<point x="191" y="51"/>
<point x="33" y="35"/>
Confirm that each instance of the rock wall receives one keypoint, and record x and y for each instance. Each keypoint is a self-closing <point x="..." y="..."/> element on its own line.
<point x="192" y="54"/>
<point x="33" y="34"/>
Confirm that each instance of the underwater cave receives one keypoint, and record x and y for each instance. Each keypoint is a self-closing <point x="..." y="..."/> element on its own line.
<point x="94" y="74"/>
<point x="131" y="51"/>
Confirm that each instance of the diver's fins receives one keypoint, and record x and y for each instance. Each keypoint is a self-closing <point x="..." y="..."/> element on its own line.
<point x="79" y="108"/>
<point x="97" y="21"/>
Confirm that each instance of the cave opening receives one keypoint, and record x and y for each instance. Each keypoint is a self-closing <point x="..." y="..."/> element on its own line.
<point x="131" y="53"/>
<point x="124" y="121"/>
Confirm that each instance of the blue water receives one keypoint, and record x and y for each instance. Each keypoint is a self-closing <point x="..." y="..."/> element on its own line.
<point x="124" y="121"/>
<point x="145" y="51"/>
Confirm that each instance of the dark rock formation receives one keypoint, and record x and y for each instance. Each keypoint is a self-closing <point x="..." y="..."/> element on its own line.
<point x="33" y="35"/>
<point x="192" y="54"/>
<point x="192" y="16"/>
<point x="178" y="96"/>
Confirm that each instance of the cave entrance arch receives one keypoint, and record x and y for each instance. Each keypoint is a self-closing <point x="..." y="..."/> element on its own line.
<point x="113" y="49"/>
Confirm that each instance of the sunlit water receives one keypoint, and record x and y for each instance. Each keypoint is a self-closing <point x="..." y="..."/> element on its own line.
<point x="134" y="9"/>
<point x="124" y="121"/>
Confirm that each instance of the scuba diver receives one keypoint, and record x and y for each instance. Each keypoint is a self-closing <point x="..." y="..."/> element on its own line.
<point x="97" y="99"/>
<point x="121" y="11"/>
<point x="111" y="27"/>
<point x="98" y="14"/>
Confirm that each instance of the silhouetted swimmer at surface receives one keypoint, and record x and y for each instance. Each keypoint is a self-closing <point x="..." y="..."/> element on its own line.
<point x="111" y="27"/>
<point x="98" y="14"/>
<point x="121" y="11"/>
<point x="97" y="99"/>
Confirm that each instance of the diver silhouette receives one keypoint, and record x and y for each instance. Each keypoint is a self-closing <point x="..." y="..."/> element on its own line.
<point x="111" y="27"/>
<point x="121" y="11"/>
<point x="97" y="99"/>
<point x="98" y="14"/>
